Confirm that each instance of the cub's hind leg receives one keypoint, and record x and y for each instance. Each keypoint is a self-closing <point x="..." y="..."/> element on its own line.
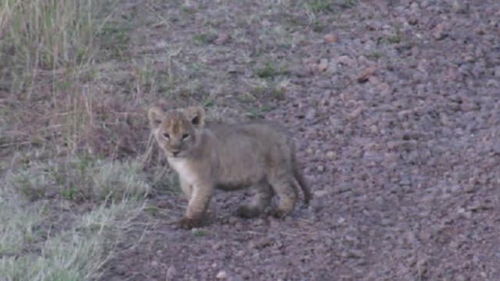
<point x="261" y="199"/>
<point x="284" y="188"/>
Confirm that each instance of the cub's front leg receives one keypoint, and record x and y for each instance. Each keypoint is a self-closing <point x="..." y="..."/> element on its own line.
<point x="197" y="206"/>
<point x="186" y="188"/>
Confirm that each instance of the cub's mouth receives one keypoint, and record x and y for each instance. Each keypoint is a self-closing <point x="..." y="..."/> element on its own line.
<point x="176" y="153"/>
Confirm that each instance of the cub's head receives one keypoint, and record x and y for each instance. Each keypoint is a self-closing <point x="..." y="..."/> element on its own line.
<point x="176" y="130"/>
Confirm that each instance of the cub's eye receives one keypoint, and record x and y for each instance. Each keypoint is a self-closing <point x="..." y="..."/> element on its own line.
<point x="185" y="136"/>
<point x="166" y="135"/>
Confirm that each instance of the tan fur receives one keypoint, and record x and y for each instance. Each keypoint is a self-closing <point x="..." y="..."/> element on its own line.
<point x="229" y="157"/>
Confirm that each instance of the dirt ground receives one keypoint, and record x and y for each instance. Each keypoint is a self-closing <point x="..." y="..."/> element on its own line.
<point x="395" y="107"/>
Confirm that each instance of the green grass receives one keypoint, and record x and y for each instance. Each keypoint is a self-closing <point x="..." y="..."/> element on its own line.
<point x="320" y="6"/>
<point x="197" y="232"/>
<point x="375" y="55"/>
<point x="270" y="69"/>
<point x="257" y="112"/>
<point x="204" y="38"/>
<point x="329" y="6"/>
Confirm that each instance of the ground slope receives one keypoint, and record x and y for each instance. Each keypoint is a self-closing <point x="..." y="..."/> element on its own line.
<point x="395" y="106"/>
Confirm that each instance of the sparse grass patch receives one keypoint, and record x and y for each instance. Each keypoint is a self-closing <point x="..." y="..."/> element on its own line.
<point x="147" y="80"/>
<point x="204" y="38"/>
<point x="257" y="112"/>
<point x="329" y="6"/>
<point x="39" y="241"/>
<point x="189" y="10"/>
<point x="198" y="232"/>
<point x="320" y="6"/>
<point x="270" y="90"/>
<point x="375" y="55"/>
<point x="19" y="221"/>
<point x="48" y="75"/>
<point x="114" y="39"/>
<point x="76" y="253"/>
<point x="45" y="35"/>
<point x="270" y="69"/>
<point x="81" y="179"/>
<point x="395" y="38"/>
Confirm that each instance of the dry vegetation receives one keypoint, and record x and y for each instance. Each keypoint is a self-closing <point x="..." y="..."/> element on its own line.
<point x="74" y="83"/>
<point x="65" y="199"/>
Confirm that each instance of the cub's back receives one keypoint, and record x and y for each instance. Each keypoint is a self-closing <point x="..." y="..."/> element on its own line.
<point x="247" y="152"/>
<point x="262" y="132"/>
<point x="260" y="142"/>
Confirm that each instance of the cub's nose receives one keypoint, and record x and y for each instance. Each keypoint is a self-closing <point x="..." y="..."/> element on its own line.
<point x="175" y="152"/>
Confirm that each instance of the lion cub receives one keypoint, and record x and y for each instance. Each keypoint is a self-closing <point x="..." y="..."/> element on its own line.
<point x="260" y="155"/>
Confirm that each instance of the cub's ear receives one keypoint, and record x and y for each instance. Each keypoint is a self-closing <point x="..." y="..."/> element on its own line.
<point x="155" y="115"/>
<point x="195" y="114"/>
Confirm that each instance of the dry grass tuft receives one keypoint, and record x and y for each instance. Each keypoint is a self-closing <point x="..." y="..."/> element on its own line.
<point x="44" y="235"/>
<point x="76" y="253"/>
<point x="80" y="179"/>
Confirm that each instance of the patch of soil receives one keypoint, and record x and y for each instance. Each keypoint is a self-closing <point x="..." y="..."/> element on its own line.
<point x="395" y="106"/>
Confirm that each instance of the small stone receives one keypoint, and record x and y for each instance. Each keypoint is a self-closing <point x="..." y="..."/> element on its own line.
<point x="217" y="246"/>
<point x="310" y="114"/>
<point x="459" y="7"/>
<point x="171" y="272"/>
<point x="322" y="65"/>
<point x="333" y="67"/>
<point x="414" y="7"/>
<point x="259" y="222"/>
<point x="366" y="74"/>
<point x="320" y="168"/>
<point x="232" y="220"/>
<point x="331" y="154"/>
<point x="345" y="60"/>
<point x="321" y="193"/>
<point x="222" y="275"/>
<point x="439" y="31"/>
<point x="235" y="277"/>
<point x="413" y="20"/>
<point x="261" y="243"/>
<point x="497" y="71"/>
<point x="330" y="38"/>
<point x="222" y="38"/>
<point x="355" y="113"/>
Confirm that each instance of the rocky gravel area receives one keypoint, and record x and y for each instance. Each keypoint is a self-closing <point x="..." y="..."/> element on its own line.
<point x="395" y="106"/>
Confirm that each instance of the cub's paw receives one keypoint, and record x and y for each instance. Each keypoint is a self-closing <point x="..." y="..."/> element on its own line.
<point x="247" y="212"/>
<point x="279" y="214"/>
<point x="188" y="223"/>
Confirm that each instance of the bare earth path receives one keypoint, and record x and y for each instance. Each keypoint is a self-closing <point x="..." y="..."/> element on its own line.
<point x="396" y="109"/>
